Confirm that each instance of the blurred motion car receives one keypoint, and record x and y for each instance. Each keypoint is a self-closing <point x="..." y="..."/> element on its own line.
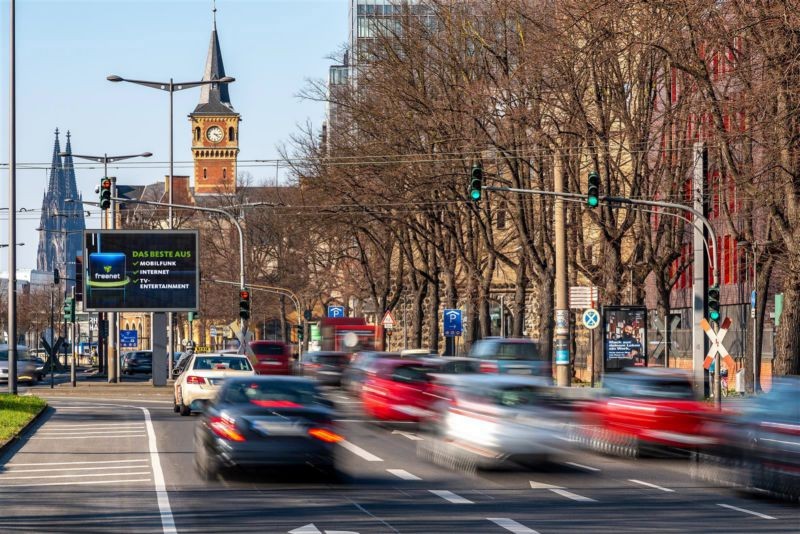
<point x="646" y="407"/>
<point x="758" y="445"/>
<point x="139" y="361"/>
<point x="516" y="356"/>
<point x="398" y="390"/>
<point x="203" y="377"/>
<point x="26" y="366"/>
<point x="324" y="367"/>
<point x="500" y="419"/>
<point x="272" y="357"/>
<point x="353" y="376"/>
<point x="266" y="421"/>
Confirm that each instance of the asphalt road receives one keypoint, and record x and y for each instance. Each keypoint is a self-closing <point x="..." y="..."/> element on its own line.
<point x="104" y="465"/>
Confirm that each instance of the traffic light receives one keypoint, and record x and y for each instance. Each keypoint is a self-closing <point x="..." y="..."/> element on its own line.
<point x="593" y="191"/>
<point x="193" y="316"/>
<point x="713" y="303"/>
<point x="300" y="332"/>
<point x="104" y="194"/>
<point x="56" y="277"/>
<point x="69" y="310"/>
<point x="244" y="304"/>
<point x="475" y="183"/>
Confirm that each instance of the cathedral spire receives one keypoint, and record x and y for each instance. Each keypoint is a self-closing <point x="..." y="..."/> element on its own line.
<point x="55" y="167"/>
<point x="214" y="98"/>
<point x="69" y="171"/>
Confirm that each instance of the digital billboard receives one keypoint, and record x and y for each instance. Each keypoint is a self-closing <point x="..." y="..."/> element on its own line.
<point x="141" y="270"/>
<point x="625" y="337"/>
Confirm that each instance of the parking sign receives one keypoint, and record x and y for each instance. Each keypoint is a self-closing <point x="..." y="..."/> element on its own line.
<point x="452" y="323"/>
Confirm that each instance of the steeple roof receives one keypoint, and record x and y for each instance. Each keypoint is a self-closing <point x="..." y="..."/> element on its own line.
<point x="214" y="98"/>
<point x="56" y="169"/>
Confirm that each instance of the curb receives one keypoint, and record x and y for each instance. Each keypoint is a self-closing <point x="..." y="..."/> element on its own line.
<point x="4" y="447"/>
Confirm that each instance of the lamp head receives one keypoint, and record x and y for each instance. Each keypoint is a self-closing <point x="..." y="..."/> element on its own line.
<point x="114" y="78"/>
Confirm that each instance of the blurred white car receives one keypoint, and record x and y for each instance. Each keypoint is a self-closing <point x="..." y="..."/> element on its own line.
<point x="496" y="419"/>
<point x="203" y="376"/>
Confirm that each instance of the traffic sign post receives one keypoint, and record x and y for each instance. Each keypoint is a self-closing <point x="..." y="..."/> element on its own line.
<point x="591" y="320"/>
<point x="452" y="323"/>
<point x="716" y="350"/>
<point x="336" y="311"/>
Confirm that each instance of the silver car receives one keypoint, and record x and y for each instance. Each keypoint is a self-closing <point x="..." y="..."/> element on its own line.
<point x="26" y="366"/>
<point x="499" y="419"/>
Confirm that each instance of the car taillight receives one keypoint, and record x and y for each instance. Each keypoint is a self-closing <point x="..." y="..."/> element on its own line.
<point x="488" y="367"/>
<point x="323" y="434"/>
<point x="195" y="380"/>
<point x="224" y="428"/>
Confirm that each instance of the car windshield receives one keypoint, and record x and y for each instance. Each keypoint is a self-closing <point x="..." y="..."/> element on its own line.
<point x="267" y="350"/>
<point x="411" y="373"/>
<point x="652" y="388"/>
<point x="234" y="363"/>
<point x="271" y="394"/>
<point x="508" y="351"/>
<point x="516" y="396"/>
<point x="332" y="359"/>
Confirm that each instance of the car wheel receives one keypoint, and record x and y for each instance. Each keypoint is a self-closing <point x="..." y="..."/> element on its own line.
<point x="184" y="410"/>
<point x="207" y="466"/>
<point x="176" y="408"/>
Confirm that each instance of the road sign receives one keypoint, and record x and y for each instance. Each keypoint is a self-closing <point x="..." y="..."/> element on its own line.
<point x="453" y="324"/>
<point x="335" y="311"/>
<point x="591" y="319"/>
<point x="51" y="349"/>
<point x="128" y="338"/>
<point x="583" y="297"/>
<point x="388" y="321"/>
<point x="716" y="343"/>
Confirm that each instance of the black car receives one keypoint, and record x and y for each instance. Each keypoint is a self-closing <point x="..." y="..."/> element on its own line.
<point x="266" y="420"/>
<point x="140" y="361"/>
<point x="325" y="368"/>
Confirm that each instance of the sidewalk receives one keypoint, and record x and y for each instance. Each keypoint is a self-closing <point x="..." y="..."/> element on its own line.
<point x="93" y="385"/>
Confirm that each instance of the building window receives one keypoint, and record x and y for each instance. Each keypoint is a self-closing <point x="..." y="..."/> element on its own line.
<point x="197" y="134"/>
<point x="224" y="174"/>
<point x="231" y="134"/>
<point x="205" y="173"/>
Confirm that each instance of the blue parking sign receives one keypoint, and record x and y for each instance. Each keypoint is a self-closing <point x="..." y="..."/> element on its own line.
<point x="452" y="323"/>
<point x="128" y="338"/>
<point x="335" y="311"/>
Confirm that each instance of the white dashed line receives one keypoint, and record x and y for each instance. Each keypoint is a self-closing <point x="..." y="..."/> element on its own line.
<point x="542" y="485"/>
<point x="355" y="449"/>
<point x="76" y="476"/>
<point x="511" y="525"/>
<point x="573" y="496"/>
<point x="162" y="497"/>
<point x="100" y="426"/>
<point x="757" y="514"/>
<point x="402" y="473"/>
<point x="451" y="497"/>
<point x="94" y="462"/>
<point x="94" y="437"/>
<point x="81" y="483"/>
<point x="94" y="432"/>
<point x="581" y="466"/>
<point x="52" y="469"/>
<point x="649" y="485"/>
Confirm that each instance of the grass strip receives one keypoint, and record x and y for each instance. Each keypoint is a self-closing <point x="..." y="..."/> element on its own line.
<point x="16" y="412"/>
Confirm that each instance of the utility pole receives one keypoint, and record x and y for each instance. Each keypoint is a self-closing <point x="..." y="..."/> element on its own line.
<point x="561" y="338"/>
<point x="12" y="210"/>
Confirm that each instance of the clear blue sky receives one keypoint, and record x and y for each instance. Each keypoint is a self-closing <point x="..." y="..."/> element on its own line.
<point x="66" y="48"/>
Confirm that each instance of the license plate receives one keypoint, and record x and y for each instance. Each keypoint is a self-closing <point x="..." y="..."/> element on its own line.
<point x="519" y="371"/>
<point x="270" y="363"/>
<point x="215" y="381"/>
<point x="330" y="373"/>
<point x="278" y="428"/>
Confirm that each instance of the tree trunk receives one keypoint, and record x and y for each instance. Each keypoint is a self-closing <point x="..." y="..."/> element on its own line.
<point x="433" y="316"/>
<point x="284" y="337"/>
<point x="520" y="293"/>
<point x="762" y="288"/>
<point x="419" y="314"/>
<point x="546" y="319"/>
<point x="787" y="344"/>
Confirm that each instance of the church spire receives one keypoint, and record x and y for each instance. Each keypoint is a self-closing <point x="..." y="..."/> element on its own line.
<point x="69" y="171"/>
<point x="55" y="167"/>
<point x="214" y="98"/>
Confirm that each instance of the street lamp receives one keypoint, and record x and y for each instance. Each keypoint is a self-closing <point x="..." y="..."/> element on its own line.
<point x="105" y="159"/>
<point x="171" y="87"/>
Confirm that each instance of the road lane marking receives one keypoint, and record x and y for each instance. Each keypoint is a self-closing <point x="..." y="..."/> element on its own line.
<point x="77" y="463"/>
<point x="581" y="466"/>
<point x="72" y="475"/>
<point x="94" y="432"/>
<point x="757" y="514"/>
<point x="162" y="497"/>
<point x="402" y="473"/>
<point x="52" y="469"/>
<point x="542" y="485"/>
<point x="451" y="497"/>
<point x="93" y="427"/>
<point x="355" y="449"/>
<point x="79" y="483"/>
<point x="409" y="435"/>
<point x="93" y="437"/>
<point x="573" y="496"/>
<point x="649" y="485"/>
<point x="375" y="421"/>
<point x="511" y="525"/>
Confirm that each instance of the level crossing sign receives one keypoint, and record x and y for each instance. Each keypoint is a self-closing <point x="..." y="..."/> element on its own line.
<point x="716" y="343"/>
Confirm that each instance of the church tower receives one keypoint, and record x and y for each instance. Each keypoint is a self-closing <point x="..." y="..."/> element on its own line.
<point x="215" y="130"/>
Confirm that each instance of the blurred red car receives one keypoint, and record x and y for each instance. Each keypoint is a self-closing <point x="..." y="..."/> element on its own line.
<point x="272" y="357"/>
<point x="655" y="407"/>
<point x="398" y="390"/>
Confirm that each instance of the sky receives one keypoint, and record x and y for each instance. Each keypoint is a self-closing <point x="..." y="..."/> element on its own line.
<point x="66" y="48"/>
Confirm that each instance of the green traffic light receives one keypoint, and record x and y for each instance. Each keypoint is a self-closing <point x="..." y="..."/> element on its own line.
<point x="475" y="194"/>
<point x="713" y="315"/>
<point x="592" y="202"/>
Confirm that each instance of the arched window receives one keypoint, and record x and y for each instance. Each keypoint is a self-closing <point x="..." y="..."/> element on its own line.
<point x="205" y="173"/>
<point x="231" y="134"/>
<point x="197" y="134"/>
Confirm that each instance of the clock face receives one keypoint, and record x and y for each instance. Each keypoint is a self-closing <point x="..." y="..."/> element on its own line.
<point x="214" y="134"/>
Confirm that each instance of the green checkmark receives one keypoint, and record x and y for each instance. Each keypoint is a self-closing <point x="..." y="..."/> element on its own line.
<point x="136" y="281"/>
<point x="136" y="264"/>
<point x="135" y="272"/>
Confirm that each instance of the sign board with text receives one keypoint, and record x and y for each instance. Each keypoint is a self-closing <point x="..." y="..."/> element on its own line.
<point x="128" y="338"/>
<point x="141" y="270"/>
<point x="452" y="322"/>
<point x="625" y="337"/>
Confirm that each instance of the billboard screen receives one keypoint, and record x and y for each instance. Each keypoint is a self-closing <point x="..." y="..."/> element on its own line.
<point x="625" y="337"/>
<point x="141" y="270"/>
